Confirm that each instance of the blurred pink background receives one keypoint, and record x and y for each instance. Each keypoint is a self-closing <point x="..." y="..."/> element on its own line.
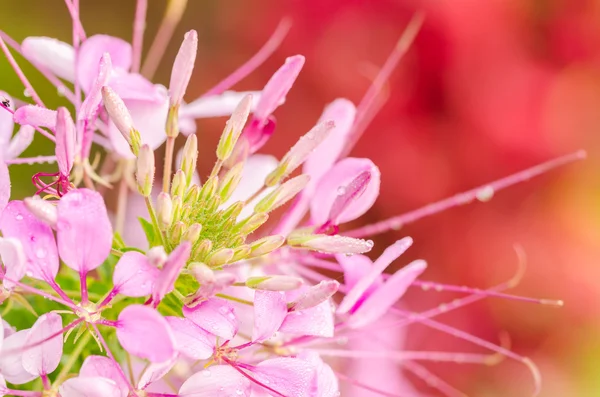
<point x="489" y="88"/>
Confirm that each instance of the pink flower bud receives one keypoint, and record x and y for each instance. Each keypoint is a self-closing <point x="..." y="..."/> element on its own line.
<point x="282" y="194"/>
<point x="274" y="283"/>
<point x="315" y="295"/>
<point x="331" y="244"/>
<point x="183" y="67"/>
<point x="65" y="141"/>
<point x="120" y="116"/>
<point x="144" y="174"/>
<point x="42" y="209"/>
<point x="164" y="210"/>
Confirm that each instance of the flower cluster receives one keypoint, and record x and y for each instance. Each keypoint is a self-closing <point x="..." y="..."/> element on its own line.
<point x="206" y="293"/>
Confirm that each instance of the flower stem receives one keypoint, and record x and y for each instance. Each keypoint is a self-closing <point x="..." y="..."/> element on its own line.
<point x="155" y="222"/>
<point x="170" y="148"/>
<point x="121" y="205"/>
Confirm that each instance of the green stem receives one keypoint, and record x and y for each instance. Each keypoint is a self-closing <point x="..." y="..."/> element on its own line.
<point x="155" y="223"/>
<point x="234" y="299"/>
<point x="64" y="372"/>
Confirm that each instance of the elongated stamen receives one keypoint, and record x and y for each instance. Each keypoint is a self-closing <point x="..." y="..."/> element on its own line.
<point x="253" y="63"/>
<point x="32" y="160"/>
<point x="139" y="25"/>
<point x="20" y="74"/>
<point x="482" y="193"/>
<point x="405" y="355"/>
<point x="253" y="380"/>
<point x="356" y="383"/>
<point x="64" y="301"/>
<point x="432" y="380"/>
<point x="76" y="43"/>
<point x="74" y="12"/>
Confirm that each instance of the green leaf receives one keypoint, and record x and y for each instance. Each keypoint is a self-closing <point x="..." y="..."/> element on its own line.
<point x="152" y="234"/>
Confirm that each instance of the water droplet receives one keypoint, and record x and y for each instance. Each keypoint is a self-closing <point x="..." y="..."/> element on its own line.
<point x="223" y="310"/>
<point x="29" y="273"/>
<point x="19" y="217"/>
<point x="370" y="243"/>
<point x="342" y="340"/>
<point x="310" y="135"/>
<point x="267" y="381"/>
<point x="206" y="373"/>
<point x="40" y="253"/>
<point x="27" y="93"/>
<point x="485" y="194"/>
<point x="61" y="90"/>
<point x="341" y="190"/>
<point x="239" y="392"/>
<point x="396" y="225"/>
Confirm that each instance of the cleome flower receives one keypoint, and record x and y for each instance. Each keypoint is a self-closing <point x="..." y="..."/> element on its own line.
<point x="224" y="297"/>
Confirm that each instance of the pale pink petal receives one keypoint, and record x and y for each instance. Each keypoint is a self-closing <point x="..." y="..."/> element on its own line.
<point x="36" y="116"/>
<point x="175" y="262"/>
<point x="45" y="357"/>
<point x="183" y="67"/>
<point x="289" y="376"/>
<point x="135" y="87"/>
<point x="55" y="55"/>
<point x="325" y="383"/>
<point x="335" y="183"/>
<point x="13" y="258"/>
<point x="270" y="309"/>
<point x="84" y="232"/>
<point x="217" y="105"/>
<point x="91" y="51"/>
<point x="355" y="268"/>
<point x="342" y="113"/>
<point x="140" y="327"/>
<point x="278" y="86"/>
<point x="92" y="101"/>
<point x="2" y="328"/>
<point x="104" y="367"/>
<point x="390" y="254"/>
<point x="380" y="301"/>
<point x="191" y="340"/>
<point x="4" y="185"/>
<point x="6" y="122"/>
<point x="134" y="276"/>
<point x="89" y="387"/>
<point x="214" y="315"/>
<point x="316" y="321"/>
<point x="7" y="329"/>
<point x="65" y="141"/>
<point x="35" y="236"/>
<point x="11" y="365"/>
<point x="3" y="389"/>
<point x="154" y="372"/>
<point x="20" y="142"/>
<point x="216" y="381"/>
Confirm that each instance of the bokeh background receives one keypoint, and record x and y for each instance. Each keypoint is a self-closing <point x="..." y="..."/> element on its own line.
<point x="489" y="88"/>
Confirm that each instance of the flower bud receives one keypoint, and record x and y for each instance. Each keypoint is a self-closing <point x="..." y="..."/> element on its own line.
<point x="234" y="210"/>
<point x="249" y="225"/>
<point x="315" y="295"/>
<point x="192" y="233"/>
<point x="118" y="113"/>
<point x="209" y="188"/>
<point x="282" y="194"/>
<point x="233" y="128"/>
<point x="230" y="181"/>
<point x="203" y="249"/>
<point x="274" y="283"/>
<point x="266" y="244"/>
<point x="145" y="170"/>
<point x="190" y="157"/>
<point x="164" y="209"/>
<point x="193" y="194"/>
<point x="299" y="152"/>
<point x="241" y="252"/>
<point x="176" y="233"/>
<point x="183" y="67"/>
<point x="202" y="273"/>
<point x="42" y="209"/>
<point x="65" y="141"/>
<point x="157" y="256"/>
<point x="220" y="257"/>
<point x="330" y="244"/>
<point x="177" y="207"/>
<point x="179" y="184"/>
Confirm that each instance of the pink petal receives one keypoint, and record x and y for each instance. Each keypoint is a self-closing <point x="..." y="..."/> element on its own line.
<point x="3" y="389"/>
<point x="216" y="381"/>
<point x="13" y="258"/>
<point x="278" y="86"/>
<point x="84" y="232"/>
<point x="11" y="365"/>
<point x="92" y="50"/>
<point x="134" y="275"/>
<point x="214" y="315"/>
<point x="7" y="329"/>
<point x="140" y="327"/>
<point x="45" y="357"/>
<point x="316" y="321"/>
<point x="355" y="268"/>
<point x="4" y="185"/>
<point x="36" y="116"/>
<point x="342" y="113"/>
<point x="175" y="262"/>
<point x="289" y="376"/>
<point x="334" y="184"/>
<point x="65" y="141"/>
<point x="191" y="340"/>
<point x="380" y="301"/>
<point x="21" y="141"/>
<point x="103" y="367"/>
<point x="135" y="87"/>
<point x="2" y="329"/>
<point x="183" y="67"/>
<point x="325" y="383"/>
<point x="216" y="105"/>
<point x="55" y="55"/>
<point x="89" y="387"/>
<point x="270" y="309"/>
<point x="35" y="236"/>
<point x="390" y="254"/>
<point x="155" y="372"/>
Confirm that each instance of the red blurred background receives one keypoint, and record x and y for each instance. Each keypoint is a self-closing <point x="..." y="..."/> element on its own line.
<point x="488" y="88"/>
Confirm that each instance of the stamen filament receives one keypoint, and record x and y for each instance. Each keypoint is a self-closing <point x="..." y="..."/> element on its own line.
<point x="20" y="74"/>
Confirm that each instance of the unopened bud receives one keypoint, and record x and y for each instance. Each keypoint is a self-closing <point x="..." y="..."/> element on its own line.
<point x="203" y="249"/>
<point x="157" y="256"/>
<point x="266" y="244"/>
<point x="234" y="210"/>
<point x="177" y="207"/>
<point x="183" y="67"/>
<point x="230" y="181"/>
<point x="282" y="194"/>
<point x="190" y="157"/>
<point x="274" y="283"/>
<point x="145" y="170"/>
<point x="299" y="152"/>
<point x="42" y="209"/>
<point x="118" y="113"/>
<point x="65" y="141"/>
<point x="209" y="188"/>
<point x="241" y="252"/>
<point x="249" y="225"/>
<point x="202" y="273"/>
<point x="164" y="210"/>
<point x="330" y="244"/>
<point x="220" y="257"/>
<point x="176" y="233"/>
<point x="315" y="295"/>
<point x="193" y="233"/>
<point x="179" y="184"/>
<point x="233" y="128"/>
<point x="193" y="194"/>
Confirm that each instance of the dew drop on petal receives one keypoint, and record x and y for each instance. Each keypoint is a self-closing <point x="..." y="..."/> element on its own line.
<point x="239" y="392"/>
<point x="40" y="253"/>
<point x="485" y="194"/>
<point x="19" y="217"/>
<point x="29" y="273"/>
<point x="370" y="243"/>
<point x="27" y="93"/>
<point x="341" y="190"/>
<point x="61" y="91"/>
<point x="206" y="373"/>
